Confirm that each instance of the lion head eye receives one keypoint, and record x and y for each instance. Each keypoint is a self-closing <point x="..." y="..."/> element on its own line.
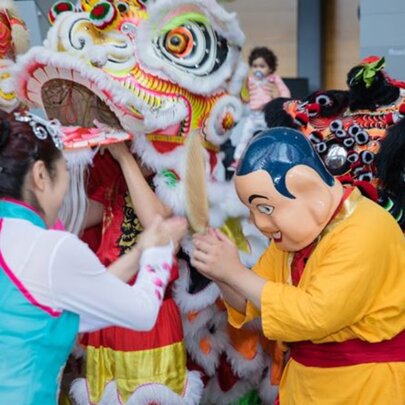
<point x="179" y="42"/>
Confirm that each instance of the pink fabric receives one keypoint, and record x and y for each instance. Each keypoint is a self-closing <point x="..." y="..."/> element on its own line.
<point x="21" y="287"/>
<point x="259" y="91"/>
<point x="58" y="226"/>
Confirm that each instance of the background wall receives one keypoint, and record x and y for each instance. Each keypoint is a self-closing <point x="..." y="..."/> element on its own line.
<point x="271" y="23"/>
<point x="341" y="44"/>
<point x="382" y="32"/>
<point x="35" y="15"/>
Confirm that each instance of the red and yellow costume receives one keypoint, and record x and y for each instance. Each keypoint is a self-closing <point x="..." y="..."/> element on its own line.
<point x="131" y="359"/>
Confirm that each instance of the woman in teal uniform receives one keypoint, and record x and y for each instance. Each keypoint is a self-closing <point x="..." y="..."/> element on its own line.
<point x="52" y="286"/>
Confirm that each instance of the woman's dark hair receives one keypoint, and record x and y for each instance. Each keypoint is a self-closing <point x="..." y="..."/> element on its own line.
<point x="265" y="53"/>
<point x="19" y="150"/>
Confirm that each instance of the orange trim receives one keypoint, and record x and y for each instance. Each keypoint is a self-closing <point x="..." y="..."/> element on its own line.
<point x="205" y="346"/>
<point x="244" y="341"/>
<point x="192" y="316"/>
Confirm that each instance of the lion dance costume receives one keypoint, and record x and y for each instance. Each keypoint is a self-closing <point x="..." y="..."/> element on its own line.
<point x="14" y="40"/>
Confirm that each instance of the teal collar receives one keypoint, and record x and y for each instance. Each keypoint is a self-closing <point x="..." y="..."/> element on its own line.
<point x="10" y="208"/>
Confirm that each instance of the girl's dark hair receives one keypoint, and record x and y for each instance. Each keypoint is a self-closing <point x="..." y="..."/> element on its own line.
<point x="265" y="53"/>
<point x="19" y="150"/>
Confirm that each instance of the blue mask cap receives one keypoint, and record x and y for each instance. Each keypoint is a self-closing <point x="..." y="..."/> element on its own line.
<point x="278" y="150"/>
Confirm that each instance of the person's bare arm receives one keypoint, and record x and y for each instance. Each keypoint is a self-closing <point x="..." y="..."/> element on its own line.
<point x="145" y="202"/>
<point x="159" y="233"/>
<point x="94" y="215"/>
<point x="127" y="265"/>
<point x="233" y="298"/>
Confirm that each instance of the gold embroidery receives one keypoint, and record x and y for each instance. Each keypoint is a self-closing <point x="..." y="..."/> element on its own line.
<point x="130" y="227"/>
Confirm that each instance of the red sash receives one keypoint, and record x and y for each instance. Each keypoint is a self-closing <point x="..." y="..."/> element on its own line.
<point x="349" y="353"/>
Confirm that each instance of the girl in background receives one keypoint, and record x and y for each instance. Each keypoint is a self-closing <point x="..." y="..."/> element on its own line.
<point x="263" y="85"/>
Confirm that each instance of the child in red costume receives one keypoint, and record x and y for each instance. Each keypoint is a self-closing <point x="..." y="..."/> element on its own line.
<point x="123" y="365"/>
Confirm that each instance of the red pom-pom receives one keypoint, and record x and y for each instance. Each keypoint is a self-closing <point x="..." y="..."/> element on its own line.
<point x="59" y="8"/>
<point x="402" y="109"/>
<point x="103" y="14"/>
<point x="302" y="118"/>
<point x="313" y="109"/>
<point x="370" y="59"/>
<point x="389" y="119"/>
<point x="346" y="178"/>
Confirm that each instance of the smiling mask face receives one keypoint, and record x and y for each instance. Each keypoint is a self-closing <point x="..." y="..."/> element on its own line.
<point x="292" y="223"/>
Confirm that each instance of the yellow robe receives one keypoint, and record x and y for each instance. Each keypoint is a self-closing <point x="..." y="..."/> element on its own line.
<point x="353" y="287"/>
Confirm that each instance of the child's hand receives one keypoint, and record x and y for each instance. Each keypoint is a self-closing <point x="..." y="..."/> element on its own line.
<point x="119" y="151"/>
<point x="162" y="232"/>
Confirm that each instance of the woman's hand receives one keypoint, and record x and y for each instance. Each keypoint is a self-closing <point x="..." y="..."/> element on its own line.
<point x="162" y="232"/>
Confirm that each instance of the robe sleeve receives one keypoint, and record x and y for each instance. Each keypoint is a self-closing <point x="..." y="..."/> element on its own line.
<point x="346" y="274"/>
<point x="263" y="269"/>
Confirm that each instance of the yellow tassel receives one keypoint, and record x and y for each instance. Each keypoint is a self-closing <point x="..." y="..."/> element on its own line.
<point x="195" y="184"/>
<point x="21" y="38"/>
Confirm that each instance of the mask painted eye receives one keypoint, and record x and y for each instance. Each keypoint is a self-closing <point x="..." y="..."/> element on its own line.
<point x="265" y="209"/>
<point x="362" y="138"/>
<point x="353" y="157"/>
<point x="179" y="42"/>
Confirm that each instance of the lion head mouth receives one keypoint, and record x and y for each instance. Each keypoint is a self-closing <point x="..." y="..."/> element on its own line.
<point x="86" y="119"/>
<point x="74" y="104"/>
